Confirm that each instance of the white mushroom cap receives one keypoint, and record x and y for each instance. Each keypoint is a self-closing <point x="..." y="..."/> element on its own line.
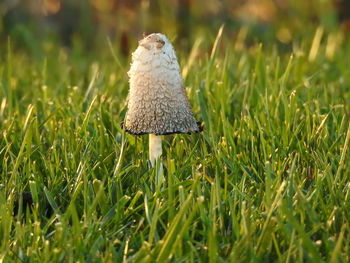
<point x="157" y="98"/>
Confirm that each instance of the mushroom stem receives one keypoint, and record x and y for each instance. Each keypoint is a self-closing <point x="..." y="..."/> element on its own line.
<point x="155" y="148"/>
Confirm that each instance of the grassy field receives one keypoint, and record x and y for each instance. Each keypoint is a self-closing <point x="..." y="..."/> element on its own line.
<point x="267" y="181"/>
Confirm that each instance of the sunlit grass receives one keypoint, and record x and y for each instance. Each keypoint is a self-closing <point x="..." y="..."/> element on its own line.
<point x="267" y="180"/>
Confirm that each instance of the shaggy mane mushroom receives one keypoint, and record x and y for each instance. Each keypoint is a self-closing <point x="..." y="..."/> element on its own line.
<point x="157" y="103"/>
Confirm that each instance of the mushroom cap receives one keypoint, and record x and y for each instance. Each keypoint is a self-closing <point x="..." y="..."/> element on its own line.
<point x="157" y="98"/>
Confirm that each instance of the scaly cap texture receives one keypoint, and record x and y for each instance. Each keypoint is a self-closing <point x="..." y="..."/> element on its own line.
<point x="157" y="99"/>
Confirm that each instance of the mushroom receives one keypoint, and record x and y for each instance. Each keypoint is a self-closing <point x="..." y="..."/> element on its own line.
<point x="157" y="103"/>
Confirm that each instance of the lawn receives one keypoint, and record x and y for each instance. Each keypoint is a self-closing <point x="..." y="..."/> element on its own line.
<point x="268" y="180"/>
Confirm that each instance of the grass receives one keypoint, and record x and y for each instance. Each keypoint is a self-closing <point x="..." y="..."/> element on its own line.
<point x="267" y="180"/>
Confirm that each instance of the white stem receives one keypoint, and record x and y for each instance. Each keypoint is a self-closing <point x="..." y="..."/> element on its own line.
<point x="155" y="148"/>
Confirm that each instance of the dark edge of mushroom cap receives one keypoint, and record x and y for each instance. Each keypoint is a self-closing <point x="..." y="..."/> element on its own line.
<point x="200" y="129"/>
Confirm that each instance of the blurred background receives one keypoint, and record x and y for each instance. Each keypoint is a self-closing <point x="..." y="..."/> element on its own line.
<point x="89" y="25"/>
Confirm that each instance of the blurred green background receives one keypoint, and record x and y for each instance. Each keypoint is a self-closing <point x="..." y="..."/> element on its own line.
<point x="88" y="24"/>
